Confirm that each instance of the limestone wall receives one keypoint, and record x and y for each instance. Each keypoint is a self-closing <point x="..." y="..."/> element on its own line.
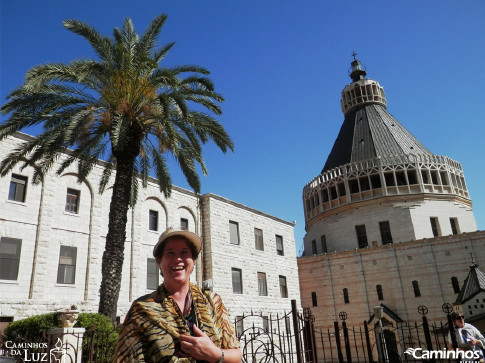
<point x="408" y="217"/>
<point x="39" y="292"/>
<point x="224" y="256"/>
<point x="431" y="262"/>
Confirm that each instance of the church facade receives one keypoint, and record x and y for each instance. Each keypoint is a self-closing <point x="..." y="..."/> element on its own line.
<point x="53" y="236"/>
<point x="387" y="221"/>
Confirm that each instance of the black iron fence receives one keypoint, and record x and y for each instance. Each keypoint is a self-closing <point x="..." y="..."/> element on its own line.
<point x="381" y="340"/>
<point x="384" y="344"/>
<point x="283" y="338"/>
<point x="292" y="337"/>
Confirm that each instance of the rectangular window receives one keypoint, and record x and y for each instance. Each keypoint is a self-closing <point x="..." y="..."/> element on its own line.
<point x="9" y="258"/>
<point x="4" y="321"/>
<point x="435" y="226"/>
<point x="346" y="296"/>
<point x="239" y="326"/>
<point x="184" y="224"/>
<point x="237" y="281"/>
<point x="283" y="288"/>
<point x="66" y="272"/>
<point x="18" y="187"/>
<point x="314" y="247"/>
<point x="455" y="284"/>
<point x="380" y="295"/>
<point x="233" y="233"/>
<point x="262" y="286"/>
<point x="323" y="242"/>
<point x="361" y="236"/>
<point x="386" y="235"/>
<point x="72" y="200"/>
<point x="417" y="293"/>
<point x="279" y="246"/>
<point x="258" y="239"/>
<point x="152" y="274"/>
<point x="454" y="225"/>
<point x="314" y="298"/>
<point x="153" y="220"/>
<point x="413" y="179"/>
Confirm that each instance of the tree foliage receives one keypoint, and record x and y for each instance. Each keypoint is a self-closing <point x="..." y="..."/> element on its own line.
<point x="123" y="107"/>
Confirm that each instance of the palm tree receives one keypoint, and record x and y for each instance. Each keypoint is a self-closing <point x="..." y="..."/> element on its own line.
<point x="124" y="108"/>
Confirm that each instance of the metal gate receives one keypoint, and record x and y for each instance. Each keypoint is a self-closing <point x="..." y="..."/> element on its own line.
<point x="285" y="338"/>
<point x="292" y="337"/>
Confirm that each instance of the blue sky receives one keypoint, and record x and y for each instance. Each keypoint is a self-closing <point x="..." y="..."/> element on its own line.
<point x="281" y="66"/>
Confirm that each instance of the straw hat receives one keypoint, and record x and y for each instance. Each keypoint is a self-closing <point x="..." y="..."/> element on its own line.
<point x="193" y="239"/>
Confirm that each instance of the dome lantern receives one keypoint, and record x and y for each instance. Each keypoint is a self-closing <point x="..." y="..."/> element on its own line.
<point x="356" y="70"/>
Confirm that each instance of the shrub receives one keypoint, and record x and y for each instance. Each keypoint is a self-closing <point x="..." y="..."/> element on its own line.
<point x="99" y="321"/>
<point x="100" y="334"/>
<point x="31" y="329"/>
<point x="99" y="340"/>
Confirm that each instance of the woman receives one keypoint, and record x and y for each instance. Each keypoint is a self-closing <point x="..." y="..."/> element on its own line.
<point x="177" y="322"/>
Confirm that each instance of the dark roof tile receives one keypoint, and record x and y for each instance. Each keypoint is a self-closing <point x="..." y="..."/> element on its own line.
<point x="369" y="132"/>
<point x="474" y="284"/>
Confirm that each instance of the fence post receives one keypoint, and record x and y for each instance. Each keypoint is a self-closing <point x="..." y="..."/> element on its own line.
<point x="451" y="325"/>
<point x="66" y="342"/>
<point x="367" y="340"/>
<point x="427" y="336"/>
<point x="337" y="341"/>
<point x="347" y="342"/>
<point x="314" y="343"/>
<point x="296" y="330"/>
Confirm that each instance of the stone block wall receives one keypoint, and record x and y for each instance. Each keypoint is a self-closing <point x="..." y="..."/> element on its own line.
<point x="224" y="256"/>
<point x="408" y="217"/>
<point x="431" y="262"/>
<point x="38" y="292"/>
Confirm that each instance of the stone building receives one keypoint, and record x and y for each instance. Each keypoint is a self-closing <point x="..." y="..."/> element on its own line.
<point x="387" y="221"/>
<point x="53" y="236"/>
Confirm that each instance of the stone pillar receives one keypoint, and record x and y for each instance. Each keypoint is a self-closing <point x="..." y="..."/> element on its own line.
<point x="65" y="345"/>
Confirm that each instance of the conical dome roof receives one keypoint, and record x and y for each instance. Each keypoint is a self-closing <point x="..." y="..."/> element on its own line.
<point x="369" y="130"/>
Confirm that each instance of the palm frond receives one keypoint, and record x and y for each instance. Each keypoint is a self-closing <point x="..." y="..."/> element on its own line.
<point x="106" y="176"/>
<point x="144" y="166"/>
<point x="207" y="127"/>
<point x="198" y="82"/>
<point x="161" y="53"/>
<point x="163" y="175"/>
<point x="185" y="159"/>
<point x="100" y="44"/>
<point x="147" y="41"/>
<point x="130" y="42"/>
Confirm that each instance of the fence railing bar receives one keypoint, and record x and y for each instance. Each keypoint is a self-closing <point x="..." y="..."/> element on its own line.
<point x="330" y="341"/>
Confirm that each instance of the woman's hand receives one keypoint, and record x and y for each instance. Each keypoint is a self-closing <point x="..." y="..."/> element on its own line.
<point x="200" y="347"/>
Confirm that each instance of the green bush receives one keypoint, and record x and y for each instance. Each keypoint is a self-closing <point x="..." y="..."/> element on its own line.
<point x="98" y="321"/>
<point x="31" y="329"/>
<point x="100" y="334"/>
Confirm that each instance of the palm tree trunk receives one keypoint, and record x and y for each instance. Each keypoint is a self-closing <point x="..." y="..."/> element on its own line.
<point x="113" y="255"/>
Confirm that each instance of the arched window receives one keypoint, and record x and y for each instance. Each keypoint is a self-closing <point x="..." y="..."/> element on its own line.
<point x="380" y="296"/>
<point x="346" y="296"/>
<point x="314" y="298"/>
<point x="417" y="293"/>
<point x="455" y="284"/>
